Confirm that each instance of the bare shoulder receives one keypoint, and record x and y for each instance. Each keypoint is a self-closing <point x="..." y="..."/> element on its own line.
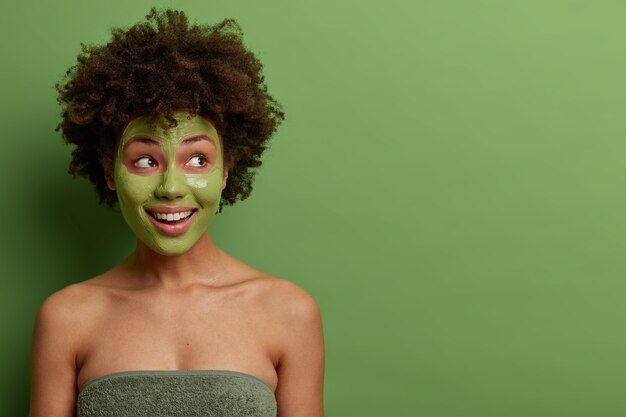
<point x="71" y="300"/>
<point x="299" y="343"/>
<point x="67" y="310"/>
<point x="280" y="298"/>
<point x="58" y="322"/>
<point x="288" y="300"/>
<point x="57" y="337"/>
<point x="63" y="305"/>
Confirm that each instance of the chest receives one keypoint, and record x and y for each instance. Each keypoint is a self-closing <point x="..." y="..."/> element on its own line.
<point x="189" y="334"/>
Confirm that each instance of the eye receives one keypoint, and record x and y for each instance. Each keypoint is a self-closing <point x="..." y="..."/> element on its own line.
<point x="145" y="162"/>
<point x="197" y="161"/>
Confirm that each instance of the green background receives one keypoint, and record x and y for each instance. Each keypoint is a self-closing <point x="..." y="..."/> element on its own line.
<point x="448" y="184"/>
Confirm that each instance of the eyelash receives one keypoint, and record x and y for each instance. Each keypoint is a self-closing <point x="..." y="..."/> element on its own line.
<point x="144" y="157"/>
<point x="204" y="159"/>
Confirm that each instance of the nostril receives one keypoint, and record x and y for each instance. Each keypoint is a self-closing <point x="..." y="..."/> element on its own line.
<point x="169" y="192"/>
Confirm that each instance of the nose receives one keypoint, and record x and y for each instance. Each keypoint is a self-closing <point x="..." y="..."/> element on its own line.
<point x="172" y="186"/>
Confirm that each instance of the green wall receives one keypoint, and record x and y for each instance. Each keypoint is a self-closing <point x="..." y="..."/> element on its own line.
<point x="448" y="184"/>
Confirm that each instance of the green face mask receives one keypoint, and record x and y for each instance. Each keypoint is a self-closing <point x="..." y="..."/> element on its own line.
<point x="169" y="182"/>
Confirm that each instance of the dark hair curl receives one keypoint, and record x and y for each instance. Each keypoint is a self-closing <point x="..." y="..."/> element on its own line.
<point x="155" y="68"/>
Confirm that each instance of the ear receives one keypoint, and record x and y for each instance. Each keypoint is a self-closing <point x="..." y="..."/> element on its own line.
<point x="109" y="179"/>
<point x="224" y="178"/>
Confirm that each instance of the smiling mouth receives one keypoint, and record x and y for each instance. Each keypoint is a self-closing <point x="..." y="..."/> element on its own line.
<point x="171" y="218"/>
<point x="172" y="223"/>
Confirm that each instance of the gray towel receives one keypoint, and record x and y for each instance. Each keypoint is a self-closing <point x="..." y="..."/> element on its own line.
<point x="202" y="393"/>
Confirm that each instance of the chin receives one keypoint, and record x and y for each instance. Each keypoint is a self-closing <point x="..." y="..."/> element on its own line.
<point x="171" y="248"/>
<point x="171" y="251"/>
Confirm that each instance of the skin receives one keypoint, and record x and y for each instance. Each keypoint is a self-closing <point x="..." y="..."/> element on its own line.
<point x="155" y="167"/>
<point x="200" y="309"/>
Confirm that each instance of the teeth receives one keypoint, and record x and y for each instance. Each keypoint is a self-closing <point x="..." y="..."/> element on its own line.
<point x="172" y="217"/>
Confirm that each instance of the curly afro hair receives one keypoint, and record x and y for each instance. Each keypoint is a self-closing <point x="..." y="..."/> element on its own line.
<point x="155" y="68"/>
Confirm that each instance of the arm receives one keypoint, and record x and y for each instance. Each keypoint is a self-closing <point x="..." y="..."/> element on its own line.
<point x="301" y="366"/>
<point x="53" y="365"/>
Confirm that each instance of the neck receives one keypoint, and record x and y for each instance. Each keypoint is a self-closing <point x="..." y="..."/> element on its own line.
<point x="199" y="264"/>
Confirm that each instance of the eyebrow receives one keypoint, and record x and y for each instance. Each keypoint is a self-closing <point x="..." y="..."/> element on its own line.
<point x="146" y="140"/>
<point x="194" y="139"/>
<point x="154" y="142"/>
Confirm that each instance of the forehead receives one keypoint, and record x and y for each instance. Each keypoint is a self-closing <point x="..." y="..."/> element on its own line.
<point x="184" y="127"/>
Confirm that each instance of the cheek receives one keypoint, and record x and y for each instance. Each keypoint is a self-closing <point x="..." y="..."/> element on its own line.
<point x="207" y="188"/>
<point x="135" y="189"/>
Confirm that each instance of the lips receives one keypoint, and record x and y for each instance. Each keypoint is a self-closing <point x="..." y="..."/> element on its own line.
<point x="171" y="220"/>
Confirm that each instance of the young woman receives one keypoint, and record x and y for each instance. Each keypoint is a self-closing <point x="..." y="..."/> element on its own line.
<point x="169" y="120"/>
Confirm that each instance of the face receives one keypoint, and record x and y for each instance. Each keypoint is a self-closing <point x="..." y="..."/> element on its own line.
<point x="169" y="182"/>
